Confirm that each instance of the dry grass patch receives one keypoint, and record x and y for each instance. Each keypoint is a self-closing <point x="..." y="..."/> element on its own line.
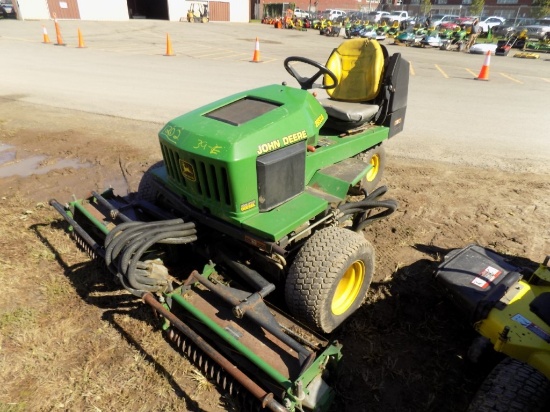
<point x="70" y="339"/>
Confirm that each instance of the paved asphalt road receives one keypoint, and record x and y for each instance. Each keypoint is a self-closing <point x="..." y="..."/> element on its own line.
<point x="504" y="122"/>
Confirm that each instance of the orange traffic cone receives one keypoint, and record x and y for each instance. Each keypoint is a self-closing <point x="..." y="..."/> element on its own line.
<point x="256" y="56"/>
<point x="484" y="73"/>
<point x="80" y="40"/>
<point x="46" y="38"/>
<point x="169" y="51"/>
<point x="58" y="32"/>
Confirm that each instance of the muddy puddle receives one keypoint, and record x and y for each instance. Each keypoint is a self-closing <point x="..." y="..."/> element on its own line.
<point x="10" y="165"/>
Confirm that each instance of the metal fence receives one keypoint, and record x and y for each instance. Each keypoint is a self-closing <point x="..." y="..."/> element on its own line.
<point x="507" y="11"/>
<point x="503" y="10"/>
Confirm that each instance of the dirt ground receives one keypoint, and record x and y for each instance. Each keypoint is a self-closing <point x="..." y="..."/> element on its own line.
<point x="71" y="340"/>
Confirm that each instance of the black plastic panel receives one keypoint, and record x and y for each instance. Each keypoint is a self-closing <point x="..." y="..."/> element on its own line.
<point x="396" y="121"/>
<point x="395" y="93"/>
<point x="476" y="279"/>
<point x="540" y="306"/>
<point x="399" y="69"/>
<point x="281" y="175"/>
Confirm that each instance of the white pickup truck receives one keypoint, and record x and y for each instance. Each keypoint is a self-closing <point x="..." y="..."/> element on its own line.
<point x="301" y="14"/>
<point x="397" y="16"/>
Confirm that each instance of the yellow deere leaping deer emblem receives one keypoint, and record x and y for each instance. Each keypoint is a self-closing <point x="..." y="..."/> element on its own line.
<point x="187" y="170"/>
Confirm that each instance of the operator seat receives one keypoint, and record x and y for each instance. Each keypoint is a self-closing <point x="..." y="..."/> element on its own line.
<point x="372" y="87"/>
<point x="359" y="66"/>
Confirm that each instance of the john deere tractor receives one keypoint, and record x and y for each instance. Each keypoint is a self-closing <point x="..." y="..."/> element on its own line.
<point x="268" y="190"/>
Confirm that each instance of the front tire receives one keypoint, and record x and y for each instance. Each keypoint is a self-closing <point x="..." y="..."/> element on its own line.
<point x="329" y="277"/>
<point x="512" y="386"/>
<point x="147" y="189"/>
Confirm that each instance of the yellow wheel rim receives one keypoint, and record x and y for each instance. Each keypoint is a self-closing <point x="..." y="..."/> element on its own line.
<point x="348" y="288"/>
<point x="373" y="172"/>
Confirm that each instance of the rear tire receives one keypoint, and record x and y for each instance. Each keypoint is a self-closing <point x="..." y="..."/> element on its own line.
<point x="147" y="189"/>
<point x="329" y="277"/>
<point x="512" y="386"/>
<point x="377" y="158"/>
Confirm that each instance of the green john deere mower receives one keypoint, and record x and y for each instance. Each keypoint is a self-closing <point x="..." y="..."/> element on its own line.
<point x="268" y="191"/>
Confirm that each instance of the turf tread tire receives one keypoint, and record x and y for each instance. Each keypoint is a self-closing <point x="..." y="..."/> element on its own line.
<point x="512" y="386"/>
<point x="316" y="271"/>
<point x="147" y="189"/>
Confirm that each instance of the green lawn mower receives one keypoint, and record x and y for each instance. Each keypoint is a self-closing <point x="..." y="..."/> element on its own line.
<point x="511" y="313"/>
<point x="268" y="191"/>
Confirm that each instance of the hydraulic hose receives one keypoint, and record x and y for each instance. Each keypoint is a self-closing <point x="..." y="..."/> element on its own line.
<point x="128" y="242"/>
<point x="360" y="209"/>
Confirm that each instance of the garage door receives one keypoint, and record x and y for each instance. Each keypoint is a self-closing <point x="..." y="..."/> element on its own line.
<point x="218" y="11"/>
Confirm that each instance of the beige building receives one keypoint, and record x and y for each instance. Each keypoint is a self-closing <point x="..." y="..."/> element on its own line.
<point x="117" y="10"/>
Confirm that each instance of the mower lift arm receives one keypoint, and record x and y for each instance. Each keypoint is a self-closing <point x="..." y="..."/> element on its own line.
<point x="253" y="307"/>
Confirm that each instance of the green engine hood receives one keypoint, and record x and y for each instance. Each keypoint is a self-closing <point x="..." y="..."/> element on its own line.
<point x="247" y="124"/>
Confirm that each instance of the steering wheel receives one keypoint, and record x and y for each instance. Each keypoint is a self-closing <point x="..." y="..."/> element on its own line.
<point x="307" y="83"/>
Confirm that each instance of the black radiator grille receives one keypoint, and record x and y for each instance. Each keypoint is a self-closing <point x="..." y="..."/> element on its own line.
<point x="210" y="180"/>
<point x="172" y="161"/>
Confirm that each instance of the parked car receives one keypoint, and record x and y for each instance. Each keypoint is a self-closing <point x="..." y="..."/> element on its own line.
<point x="510" y="26"/>
<point x="7" y="9"/>
<point x="538" y="30"/>
<point x="357" y="15"/>
<point x="331" y="14"/>
<point x="438" y="19"/>
<point x="465" y="20"/>
<point x="460" y="21"/>
<point x="301" y="14"/>
<point x="489" y="22"/>
<point x="376" y="16"/>
<point x="397" y="15"/>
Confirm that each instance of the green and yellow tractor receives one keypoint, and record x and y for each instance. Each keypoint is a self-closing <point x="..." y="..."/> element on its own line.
<point x="510" y="309"/>
<point x="268" y="191"/>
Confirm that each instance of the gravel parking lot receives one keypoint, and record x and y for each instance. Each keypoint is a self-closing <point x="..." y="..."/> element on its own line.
<point x="123" y="72"/>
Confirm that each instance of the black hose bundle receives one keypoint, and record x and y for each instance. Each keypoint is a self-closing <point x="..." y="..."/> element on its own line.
<point x="362" y="208"/>
<point x="126" y="244"/>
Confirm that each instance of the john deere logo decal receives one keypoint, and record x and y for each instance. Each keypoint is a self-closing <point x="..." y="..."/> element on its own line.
<point x="187" y="170"/>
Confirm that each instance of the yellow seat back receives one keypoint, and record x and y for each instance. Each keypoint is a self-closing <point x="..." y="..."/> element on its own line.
<point x="358" y="65"/>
